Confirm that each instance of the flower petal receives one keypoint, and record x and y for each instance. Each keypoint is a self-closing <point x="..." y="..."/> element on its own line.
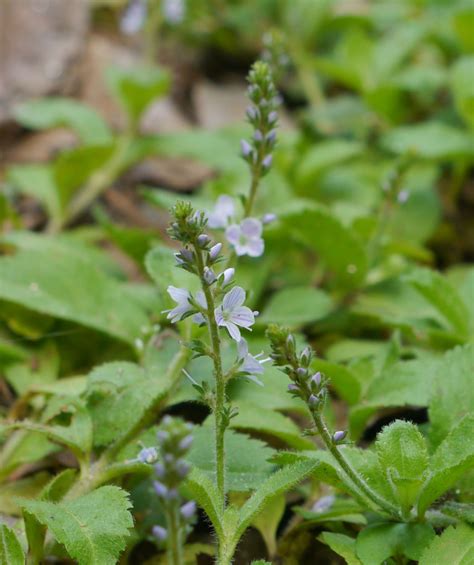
<point x="233" y="330"/>
<point x="255" y="247"/>
<point x="251" y="227"/>
<point x="242" y="349"/>
<point x="219" y="316"/>
<point x="234" y="298"/>
<point x="179" y="295"/>
<point x="243" y="316"/>
<point x="233" y="233"/>
<point x="201" y="299"/>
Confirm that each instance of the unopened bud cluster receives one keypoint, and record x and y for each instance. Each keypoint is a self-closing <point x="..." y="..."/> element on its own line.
<point x="306" y="384"/>
<point x="262" y="114"/>
<point x="174" y="441"/>
<point x="274" y="52"/>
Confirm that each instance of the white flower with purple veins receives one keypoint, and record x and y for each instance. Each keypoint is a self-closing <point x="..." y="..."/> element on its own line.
<point x="251" y="365"/>
<point x="181" y="296"/>
<point x="246" y="237"/>
<point x="222" y="214"/>
<point x="232" y="314"/>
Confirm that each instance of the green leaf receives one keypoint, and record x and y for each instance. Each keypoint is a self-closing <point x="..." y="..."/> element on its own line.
<point x="36" y="180"/>
<point x="136" y="88"/>
<point x="73" y="168"/>
<point x="454" y="546"/>
<point x="341" y="253"/>
<point x="11" y="552"/>
<point x="406" y="383"/>
<point x="342" y="545"/>
<point x="46" y="280"/>
<point x="439" y="292"/>
<point x="459" y="510"/>
<point x="342" y="379"/>
<point x="296" y="306"/>
<point x="200" y="488"/>
<point x="278" y="483"/>
<point x="260" y="419"/>
<point x="116" y="398"/>
<point x="453" y="458"/>
<point x="378" y="542"/>
<point x="452" y="395"/>
<point x="53" y="112"/>
<point x="267" y="522"/>
<point x="92" y="528"/>
<point x="323" y="155"/>
<point x="247" y="463"/>
<point x="463" y="88"/>
<point x="333" y="510"/>
<point x="430" y="140"/>
<point x="70" y="426"/>
<point x="403" y="456"/>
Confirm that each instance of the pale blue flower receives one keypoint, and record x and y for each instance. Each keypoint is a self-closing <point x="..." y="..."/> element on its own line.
<point x="200" y="298"/>
<point x="251" y="365"/>
<point x="232" y="314"/>
<point x="181" y="296"/>
<point x="133" y="17"/>
<point x="173" y="11"/>
<point x="223" y="212"/>
<point x="246" y="237"/>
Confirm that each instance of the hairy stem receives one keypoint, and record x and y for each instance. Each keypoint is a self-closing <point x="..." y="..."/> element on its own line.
<point x="220" y="395"/>
<point x="353" y="475"/>
<point x="174" y="541"/>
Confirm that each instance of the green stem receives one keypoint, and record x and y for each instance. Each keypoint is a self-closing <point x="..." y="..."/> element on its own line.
<point x="356" y="479"/>
<point x="95" y="186"/>
<point x="174" y="541"/>
<point x="220" y="395"/>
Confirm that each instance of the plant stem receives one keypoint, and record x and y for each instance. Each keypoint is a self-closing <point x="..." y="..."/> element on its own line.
<point x="98" y="182"/>
<point x="220" y="395"/>
<point x="174" y="545"/>
<point x="357" y="480"/>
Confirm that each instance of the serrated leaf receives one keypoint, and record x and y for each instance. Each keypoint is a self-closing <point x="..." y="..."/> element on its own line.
<point x="54" y="111"/>
<point x="342" y="545"/>
<point x="260" y="419"/>
<point x="45" y="279"/>
<point x="117" y="400"/>
<point x="453" y="458"/>
<point x="296" y="306"/>
<point x="459" y="510"/>
<point x="378" y="542"/>
<point x="11" y="552"/>
<point x="136" y="88"/>
<point x="403" y="457"/>
<point x="201" y="488"/>
<point x="454" y="546"/>
<point x="247" y="463"/>
<point x="452" y="395"/>
<point x="340" y="251"/>
<point x="439" y="292"/>
<point x="278" y="483"/>
<point x="406" y="383"/>
<point x="92" y="528"/>
<point x="332" y="509"/>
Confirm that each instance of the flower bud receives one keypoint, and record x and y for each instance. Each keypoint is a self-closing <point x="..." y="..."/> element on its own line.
<point x="160" y="470"/>
<point x="301" y="372"/>
<point x="186" y="443"/>
<point x="268" y="218"/>
<point x="214" y="251"/>
<point x="313" y="400"/>
<point x="339" y="436"/>
<point x="160" y="533"/>
<point x="188" y="510"/>
<point x="271" y="136"/>
<point x="148" y="455"/>
<point x="209" y="275"/>
<point x="293" y="388"/>
<point x="258" y="136"/>
<point x="162" y="436"/>
<point x="160" y="489"/>
<point x="267" y="162"/>
<point x="252" y="113"/>
<point x="187" y="254"/>
<point x="305" y="356"/>
<point x="272" y="117"/>
<point x="182" y="468"/>
<point x="203" y="239"/>
<point x="290" y="343"/>
<point x="316" y="380"/>
<point x="246" y="148"/>
<point x="227" y="276"/>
